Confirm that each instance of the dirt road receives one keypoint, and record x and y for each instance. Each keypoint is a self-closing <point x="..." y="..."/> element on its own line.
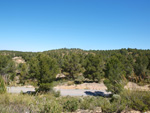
<point x="64" y="92"/>
<point x="82" y="92"/>
<point x="19" y="89"/>
<point x="92" y="89"/>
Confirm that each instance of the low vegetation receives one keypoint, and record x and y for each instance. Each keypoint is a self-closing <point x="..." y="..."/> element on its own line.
<point x="49" y="103"/>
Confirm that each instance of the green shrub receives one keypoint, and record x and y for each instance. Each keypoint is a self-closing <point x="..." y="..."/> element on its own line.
<point x="79" y="80"/>
<point x="55" y="93"/>
<point x="115" y="97"/>
<point x="52" y="107"/>
<point x="48" y="103"/>
<point x="92" y="102"/>
<point x="114" y="87"/>
<point x="2" y="86"/>
<point x="88" y="103"/>
<point x="106" y="105"/>
<point x="137" y="100"/>
<point x="70" y="104"/>
<point x="114" y="105"/>
<point x="45" y="87"/>
<point x="140" y="101"/>
<point x="85" y="104"/>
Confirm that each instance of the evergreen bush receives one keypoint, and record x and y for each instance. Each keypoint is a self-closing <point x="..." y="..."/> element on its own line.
<point x="2" y="86"/>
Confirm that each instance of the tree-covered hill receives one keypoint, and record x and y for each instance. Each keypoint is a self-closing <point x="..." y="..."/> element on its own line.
<point x="114" y="66"/>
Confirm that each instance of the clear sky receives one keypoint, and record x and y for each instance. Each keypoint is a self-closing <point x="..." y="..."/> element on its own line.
<point x="38" y="25"/>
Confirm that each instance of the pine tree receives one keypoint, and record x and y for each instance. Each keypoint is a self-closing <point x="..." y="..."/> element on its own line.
<point x="72" y="66"/>
<point x="48" y="70"/>
<point x="115" y="75"/>
<point x="140" y="67"/>
<point x="34" y="70"/>
<point x="94" y="67"/>
<point x="24" y="69"/>
<point x="7" y="68"/>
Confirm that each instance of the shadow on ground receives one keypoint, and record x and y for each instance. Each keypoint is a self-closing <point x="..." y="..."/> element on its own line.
<point x="30" y="92"/>
<point x="97" y="93"/>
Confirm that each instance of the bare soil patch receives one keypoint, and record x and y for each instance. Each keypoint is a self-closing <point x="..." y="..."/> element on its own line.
<point x="88" y="86"/>
<point x="134" y="86"/>
<point x="18" y="60"/>
<point x="101" y="86"/>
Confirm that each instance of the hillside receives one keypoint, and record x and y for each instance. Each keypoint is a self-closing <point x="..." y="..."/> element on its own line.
<point x="76" y="72"/>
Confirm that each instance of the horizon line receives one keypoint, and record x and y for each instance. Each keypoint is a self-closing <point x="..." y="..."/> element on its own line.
<point x="72" y="48"/>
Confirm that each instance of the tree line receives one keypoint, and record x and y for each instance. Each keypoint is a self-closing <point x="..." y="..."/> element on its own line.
<point x="112" y="66"/>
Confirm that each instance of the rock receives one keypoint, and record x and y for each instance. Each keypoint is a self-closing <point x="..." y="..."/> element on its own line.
<point x="82" y="111"/>
<point x="134" y="86"/>
<point x="98" y="110"/>
<point x="18" y="60"/>
<point x="133" y="111"/>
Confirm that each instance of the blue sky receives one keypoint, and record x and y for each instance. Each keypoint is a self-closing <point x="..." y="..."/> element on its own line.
<point x="38" y="25"/>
